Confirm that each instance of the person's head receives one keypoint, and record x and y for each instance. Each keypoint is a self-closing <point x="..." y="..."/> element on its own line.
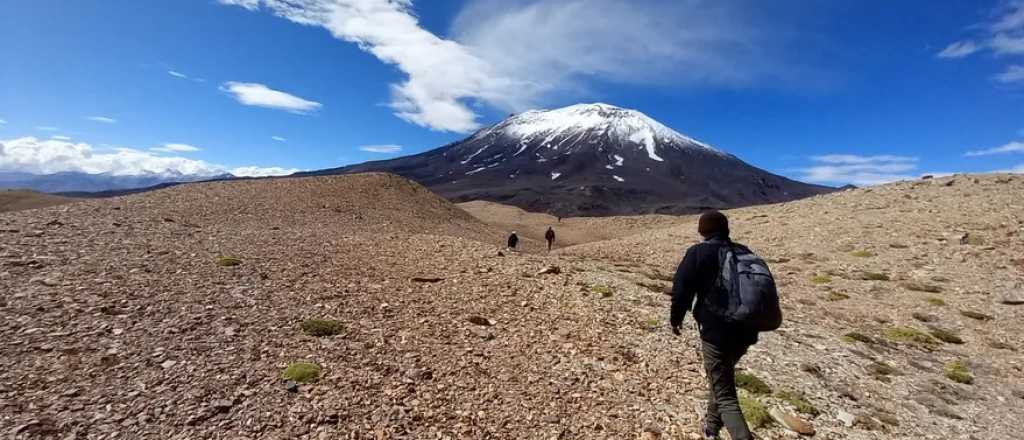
<point x="513" y="232"/>
<point x="713" y="223"/>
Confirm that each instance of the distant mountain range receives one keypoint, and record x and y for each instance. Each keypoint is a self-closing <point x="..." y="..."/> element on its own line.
<point x="585" y="159"/>
<point x="591" y="160"/>
<point x="79" y="183"/>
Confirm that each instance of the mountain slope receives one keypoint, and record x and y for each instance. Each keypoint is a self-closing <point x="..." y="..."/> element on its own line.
<point x="590" y="159"/>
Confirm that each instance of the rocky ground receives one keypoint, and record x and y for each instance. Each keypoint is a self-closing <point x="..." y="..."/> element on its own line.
<point x="174" y="314"/>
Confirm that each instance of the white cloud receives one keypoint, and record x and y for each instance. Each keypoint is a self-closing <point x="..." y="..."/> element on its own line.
<point x="177" y="74"/>
<point x="176" y="148"/>
<point x="259" y="95"/>
<point x="103" y="119"/>
<point x="262" y="171"/>
<point x="3" y="121"/>
<point x="48" y="156"/>
<point x="60" y="138"/>
<point x="279" y="139"/>
<point x="512" y="55"/>
<point x="1013" y="74"/>
<point x="385" y="149"/>
<point x="1012" y="147"/>
<point x="959" y="49"/>
<point x="1002" y="36"/>
<point x="46" y="128"/>
<point x="860" y="170"/>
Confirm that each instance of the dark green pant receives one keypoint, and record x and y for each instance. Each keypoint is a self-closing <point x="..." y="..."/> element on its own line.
<point x="723" y="404"/>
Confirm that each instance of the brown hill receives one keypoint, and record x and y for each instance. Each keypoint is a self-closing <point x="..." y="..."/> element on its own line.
<point x="18" y="200"/>
<point x="118" y="319"/>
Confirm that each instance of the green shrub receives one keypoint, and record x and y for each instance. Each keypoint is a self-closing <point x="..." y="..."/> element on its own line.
<point x="602" y="290"/>
<point x="935" y="301"/>
<point x="958" y="372"/>
<point x="976" y="315"/>
<point x="228" y="261"/>
<point x="874" y="276"/>
<point x="303" y="372"/>
<point x="907" y="334"/>
<point x="321" y="327"/>
<point x="798" y="401"/>
<point x="862" y="254"/>
<point x="755" y="412"/>
<point x="752" y="383"/>
<point x="821" y="279"/>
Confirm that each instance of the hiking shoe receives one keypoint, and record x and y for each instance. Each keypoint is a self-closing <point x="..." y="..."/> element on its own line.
<point x="709" y="434"/>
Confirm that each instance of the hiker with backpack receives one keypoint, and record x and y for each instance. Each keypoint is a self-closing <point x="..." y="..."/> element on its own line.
<point x="550" y="237"/>
<point x="513" y="240"/>
<point x="735" y="299"/>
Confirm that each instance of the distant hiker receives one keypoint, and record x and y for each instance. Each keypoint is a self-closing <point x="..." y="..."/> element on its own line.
<point x="550" y="237"/>
<point x="735" y="299"/>
<point x="513" y="240"/>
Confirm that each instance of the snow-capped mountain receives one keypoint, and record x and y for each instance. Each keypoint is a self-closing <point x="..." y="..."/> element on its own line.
<point x="590" y="159"/>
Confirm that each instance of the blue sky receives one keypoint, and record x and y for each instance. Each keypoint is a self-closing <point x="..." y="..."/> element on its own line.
<point x="829" y="91"/>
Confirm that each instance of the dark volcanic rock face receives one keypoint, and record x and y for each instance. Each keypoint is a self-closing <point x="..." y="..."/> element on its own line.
<point x="590" y="160"/>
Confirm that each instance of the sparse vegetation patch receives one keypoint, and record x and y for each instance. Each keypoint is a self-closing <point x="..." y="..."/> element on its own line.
<point x="798" y="401"/>
<point x="874" y="276"/>
<point x="947" y="336"/>
<point x="935" y="301"/>
<point x="862" y="254"/>
<point x="303" y="372"/>
<point x="858" y="337"/>
<point x="821" y="279"/>
<point x="603" y="290"/>
<point x="911" y="335"/>
<point x="752" y="383"/>
<point x="836" y="296"/>
<point x="918" y="286"/>
<point x="321" y="327"/>
<point x="958" y="372"/>
<point x="228" y="261"/>
<point x="755" y="412"/>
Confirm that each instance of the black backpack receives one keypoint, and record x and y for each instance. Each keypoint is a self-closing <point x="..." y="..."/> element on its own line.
<point x="745" y="290"/>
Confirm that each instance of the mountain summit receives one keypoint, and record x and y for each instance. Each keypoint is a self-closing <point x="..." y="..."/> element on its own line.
<point x="590" y="159"/>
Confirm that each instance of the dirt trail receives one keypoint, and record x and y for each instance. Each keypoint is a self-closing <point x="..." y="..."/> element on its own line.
<point x="121" y="319"/>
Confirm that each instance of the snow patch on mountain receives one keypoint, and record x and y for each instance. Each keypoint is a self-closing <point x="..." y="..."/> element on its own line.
<point x="555" y="175"/>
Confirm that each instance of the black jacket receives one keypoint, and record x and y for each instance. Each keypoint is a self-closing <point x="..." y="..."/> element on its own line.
<point x="696" y="278"/>
<point x="513" y="240"/>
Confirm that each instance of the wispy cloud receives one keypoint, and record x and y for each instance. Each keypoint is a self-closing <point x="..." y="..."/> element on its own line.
<point x="48" y="156"/>
<point x="1002" y="36"/>
<point x="1012" y="147"/>
<point x="3" y="121"/>
<point x="959" y="49"/>
<point x="60" y="138"/>
<point x="177" y="74"/>
<point x="384" y="149"/>
<point x="259" y="95"/>
<point x="1013" y="74"/>
<point x="46" y="128"/>
<point x="103" y="119"/>
<point x="176" y="148"/>
<point x="859" y="170"/>
<point x="555" y="49"/>
<point x="279" y="139"/>
<point x="262" y="171"/>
